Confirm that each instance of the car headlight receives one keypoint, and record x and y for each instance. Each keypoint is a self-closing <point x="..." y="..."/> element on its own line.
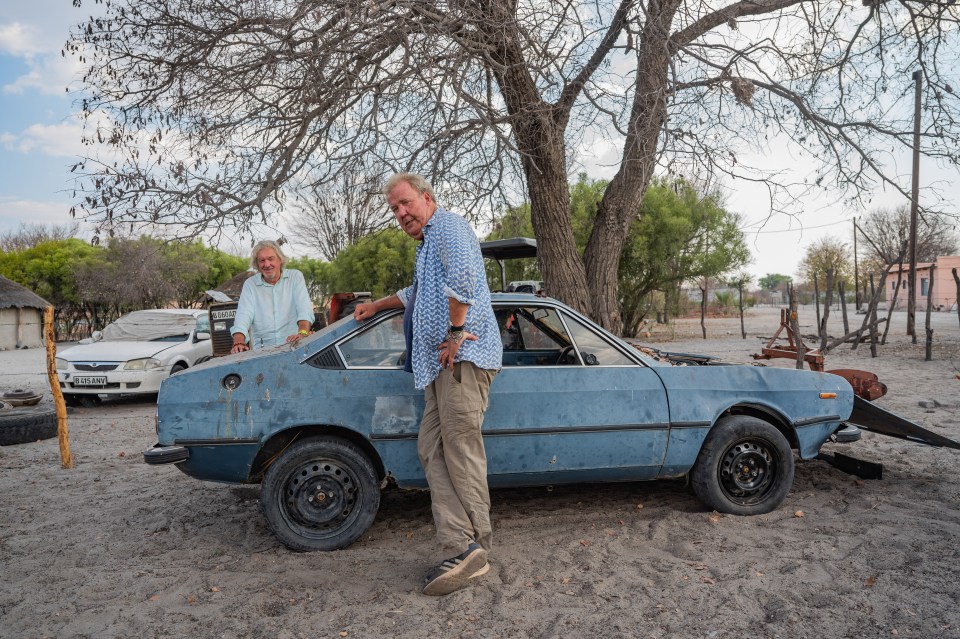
<point x="145" y="364"/>
<point x="61" y="364"/>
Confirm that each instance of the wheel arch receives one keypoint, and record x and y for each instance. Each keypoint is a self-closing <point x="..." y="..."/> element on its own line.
<point x="767" y="414"/>
<point x="281" y="440"/>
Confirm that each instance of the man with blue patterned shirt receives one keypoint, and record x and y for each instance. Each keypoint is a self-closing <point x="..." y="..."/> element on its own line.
<point x="454" y="352"/>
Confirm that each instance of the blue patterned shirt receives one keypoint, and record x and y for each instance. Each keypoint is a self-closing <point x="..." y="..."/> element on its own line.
<point x="449" y="264"/>
<point x="270" y="312"/>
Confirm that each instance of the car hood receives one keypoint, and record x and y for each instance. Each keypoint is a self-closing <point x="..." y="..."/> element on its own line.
<point x="105" y="351"/>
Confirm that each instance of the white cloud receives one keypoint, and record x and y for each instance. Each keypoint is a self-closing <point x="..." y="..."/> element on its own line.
<point x="15" y="211"/>
<point x="57" y="140"/>
<point x="20" y="40"/>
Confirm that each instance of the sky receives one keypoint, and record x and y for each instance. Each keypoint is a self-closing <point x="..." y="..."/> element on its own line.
<point x="40" y="140"/>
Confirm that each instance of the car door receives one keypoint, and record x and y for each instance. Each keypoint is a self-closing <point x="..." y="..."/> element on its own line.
<point x="570" y="404"/>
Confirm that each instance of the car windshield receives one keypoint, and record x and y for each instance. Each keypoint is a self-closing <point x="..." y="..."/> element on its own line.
<point x="150" y="326"/>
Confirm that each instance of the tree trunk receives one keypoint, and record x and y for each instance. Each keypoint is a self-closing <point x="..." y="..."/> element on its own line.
<point x="623" y="196"/>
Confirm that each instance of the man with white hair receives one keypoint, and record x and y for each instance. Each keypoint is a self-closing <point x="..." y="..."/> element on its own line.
<point x="274" y="304"/>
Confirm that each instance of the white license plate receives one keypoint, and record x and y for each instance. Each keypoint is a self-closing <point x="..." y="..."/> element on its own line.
<point x="90" y="381"/>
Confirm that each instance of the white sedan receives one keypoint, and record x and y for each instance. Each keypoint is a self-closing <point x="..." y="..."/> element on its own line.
<point x="134" y="354"/>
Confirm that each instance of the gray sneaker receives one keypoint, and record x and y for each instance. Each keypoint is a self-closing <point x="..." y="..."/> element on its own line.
<point x="452" y="574"/>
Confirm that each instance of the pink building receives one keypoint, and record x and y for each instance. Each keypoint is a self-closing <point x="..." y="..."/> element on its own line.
<point x="944" y="292"/>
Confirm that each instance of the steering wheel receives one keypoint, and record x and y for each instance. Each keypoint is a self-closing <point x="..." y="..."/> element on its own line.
<point x="564" y="356"/>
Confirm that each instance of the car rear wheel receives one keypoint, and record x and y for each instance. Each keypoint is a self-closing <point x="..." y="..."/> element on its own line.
<point x="744" y="468"/>
<point x="322" y="493"/>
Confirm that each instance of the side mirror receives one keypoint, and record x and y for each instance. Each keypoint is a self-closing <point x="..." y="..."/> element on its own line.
<point x="202" y="336"/>
<point x="96" y="336"/>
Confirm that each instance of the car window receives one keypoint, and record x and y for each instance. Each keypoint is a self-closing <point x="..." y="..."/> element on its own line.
<point x="381" y="345"/>
<point x="594" y="350"/>
<point x="533" y="336"/>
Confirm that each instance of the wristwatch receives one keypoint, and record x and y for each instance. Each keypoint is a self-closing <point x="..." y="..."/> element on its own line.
<point x="304" y="331"/>
<point x="455" y="333"/>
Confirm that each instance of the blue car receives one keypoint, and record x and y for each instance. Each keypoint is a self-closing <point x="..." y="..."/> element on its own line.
<point x="325" y="425"/>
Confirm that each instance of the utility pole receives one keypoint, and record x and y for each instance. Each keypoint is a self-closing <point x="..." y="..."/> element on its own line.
<point x="914" y="205"/>
<point x="856" y="269"/>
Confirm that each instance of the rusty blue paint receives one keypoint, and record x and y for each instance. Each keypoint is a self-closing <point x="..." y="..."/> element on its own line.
<point x="547" y="424"/>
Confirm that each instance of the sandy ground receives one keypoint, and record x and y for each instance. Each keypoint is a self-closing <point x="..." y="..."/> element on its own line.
<point x="116" y="548"/>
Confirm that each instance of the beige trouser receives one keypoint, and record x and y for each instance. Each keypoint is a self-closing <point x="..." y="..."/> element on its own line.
<point x="451" y="451"/>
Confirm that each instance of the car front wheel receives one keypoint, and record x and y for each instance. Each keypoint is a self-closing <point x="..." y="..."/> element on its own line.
<point x="320" y="494"/>
<point x="744" y="468"/>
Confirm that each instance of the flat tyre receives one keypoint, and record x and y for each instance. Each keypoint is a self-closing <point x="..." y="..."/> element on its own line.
<point x="322" y="493"/>
<point x="745" y="467"/>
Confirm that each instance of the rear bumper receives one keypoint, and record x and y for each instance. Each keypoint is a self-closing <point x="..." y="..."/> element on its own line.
<point x="158" y="454"/>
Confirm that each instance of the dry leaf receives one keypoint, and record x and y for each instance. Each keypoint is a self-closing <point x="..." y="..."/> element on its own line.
<point x="759" y="573"/>
<point x="154" y="598"/>
<point x="799" y="514"/>
<point x="584" y="542"/>
<point x="121" y="454"/>
<point x="214" y="589"/>
<point x="714" y="518"/>
<point x="622" y="523"/>
<point x="707" y="580"/>
<point x="858" y="482"/>
<point x="610" y="533"/>
<point x="565" y="580"/>
<point x="639" y="506"/>
<point x="699" y="567"/>
<point x="870" y="581"/>
<point x="344" y="634"/>
<point x="191" y="599"/>
<point x="409" y="535"/>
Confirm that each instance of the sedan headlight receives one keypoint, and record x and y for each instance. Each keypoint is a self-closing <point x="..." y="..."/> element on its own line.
<point x="61" y="364"/>
<point x="145" y="364"/>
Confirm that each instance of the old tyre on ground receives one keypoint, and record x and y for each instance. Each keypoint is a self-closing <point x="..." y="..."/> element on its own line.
<point x="322" y="493"/>
<point x="23" y="424"/>
<point x="744" y="468"/>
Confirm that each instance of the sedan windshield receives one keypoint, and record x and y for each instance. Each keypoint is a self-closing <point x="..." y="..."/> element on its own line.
<point x="148" y="326"/>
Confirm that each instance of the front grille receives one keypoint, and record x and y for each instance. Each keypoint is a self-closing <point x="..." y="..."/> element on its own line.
<point x="70" y="385"/>
<point x="94" y="367"/>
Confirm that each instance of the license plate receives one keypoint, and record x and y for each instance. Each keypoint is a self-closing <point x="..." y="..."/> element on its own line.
<point x="90" y="381"/>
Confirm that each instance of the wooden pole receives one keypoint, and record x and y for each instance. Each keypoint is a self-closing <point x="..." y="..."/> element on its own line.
<point x="63" y="432"/>
<point x="816" y="297"/>
<point x="828" y="300"/>
<point x="914" y="205"/>
<point x="929" y="354"/>
<point x="856" y="272"/>
<point x="743" y="328"/>
<point x="956" y="278"/>
<point x="795" y="326"/>
<point x="843" y="307"/>
<point x="874" y="297"/>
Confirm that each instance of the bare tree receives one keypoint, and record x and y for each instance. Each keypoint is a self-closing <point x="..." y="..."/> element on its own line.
<point x="887" y="230"/>
<point x="211" y="114"/>
<point x="30" y="235"/>
<point x="329" y="218"/>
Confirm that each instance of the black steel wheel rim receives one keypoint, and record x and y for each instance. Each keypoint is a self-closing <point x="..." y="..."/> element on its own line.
<point x="747" y="471"/>
<point x="320" y="498"/>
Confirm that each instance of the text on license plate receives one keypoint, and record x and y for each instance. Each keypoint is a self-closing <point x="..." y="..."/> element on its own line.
<point x="90" y="381"/>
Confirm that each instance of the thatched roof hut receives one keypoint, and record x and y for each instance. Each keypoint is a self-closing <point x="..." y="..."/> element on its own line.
<point x="234" y="285"/>
<point x="21" y="316"/>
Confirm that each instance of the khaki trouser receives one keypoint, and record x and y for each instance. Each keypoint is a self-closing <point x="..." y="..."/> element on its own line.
<point x="451" y="451"/>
